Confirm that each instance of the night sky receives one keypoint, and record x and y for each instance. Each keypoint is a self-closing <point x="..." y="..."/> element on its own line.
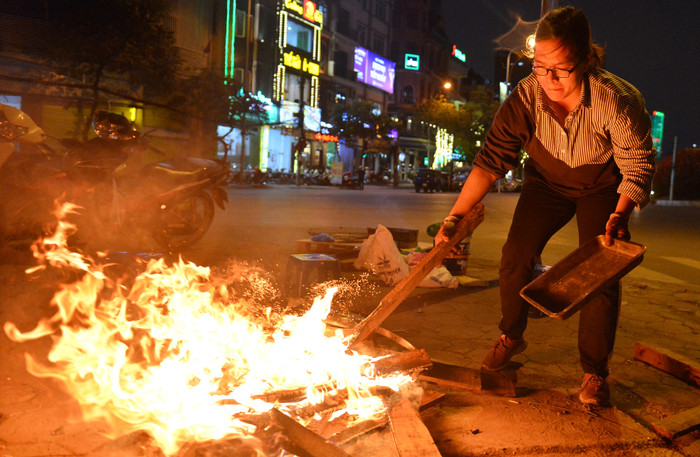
<point x="653" y="44"/>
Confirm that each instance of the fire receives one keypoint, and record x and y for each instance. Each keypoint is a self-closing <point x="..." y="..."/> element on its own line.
<point x="176" y="356"/>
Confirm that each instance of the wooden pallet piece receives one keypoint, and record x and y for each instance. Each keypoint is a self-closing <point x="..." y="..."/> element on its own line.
<point x="691" y="450"/>
<point x="679" y="424"/>
<point x="401" y="290"/>
<point x="302" y="439"/>
<point x="411" y="436"/>
<point x="681" y="367"/>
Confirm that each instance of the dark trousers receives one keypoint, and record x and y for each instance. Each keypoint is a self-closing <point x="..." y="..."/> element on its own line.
<point x="539" y="214"/>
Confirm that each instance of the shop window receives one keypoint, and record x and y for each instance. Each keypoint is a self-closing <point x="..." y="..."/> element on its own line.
<point x="299" y="36"/>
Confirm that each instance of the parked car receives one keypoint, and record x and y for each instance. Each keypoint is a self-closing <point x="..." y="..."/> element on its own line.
<point x="429" y="180"/>
<point x="459" y="177"/>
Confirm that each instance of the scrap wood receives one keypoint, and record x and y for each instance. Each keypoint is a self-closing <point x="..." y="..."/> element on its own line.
<point x="502" y="382"/>
<point x="452" y="377"/>
<point x="404" y="361"/>
<point x="432" y="259"/>
<point x="428" y="399"/>
<point x="411" y="436"/>
<point x="691" y="450"/>
<point x="303" y="441"/>
<point x="681" y="367"/>
<point x="679" y="424"/>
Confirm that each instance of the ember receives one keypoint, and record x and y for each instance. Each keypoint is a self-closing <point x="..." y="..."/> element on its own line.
<point x="176" y="355"/>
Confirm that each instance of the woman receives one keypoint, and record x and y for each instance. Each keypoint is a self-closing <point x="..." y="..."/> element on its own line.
<point x="588" y="137"/>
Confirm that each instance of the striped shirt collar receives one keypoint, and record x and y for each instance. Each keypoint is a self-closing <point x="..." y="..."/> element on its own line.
<point x="584" y="98"/>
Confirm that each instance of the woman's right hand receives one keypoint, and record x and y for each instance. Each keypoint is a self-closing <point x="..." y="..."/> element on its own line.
<point x="447" y="229"/>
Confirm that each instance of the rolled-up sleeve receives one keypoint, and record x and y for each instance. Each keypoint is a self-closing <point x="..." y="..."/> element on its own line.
<point x="633" y="151"/>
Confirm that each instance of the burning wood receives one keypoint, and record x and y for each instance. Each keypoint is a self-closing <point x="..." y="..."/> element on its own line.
<point x="174" y="355"/>
<point x="303" y="441"/>
<point x="411" y="437"/>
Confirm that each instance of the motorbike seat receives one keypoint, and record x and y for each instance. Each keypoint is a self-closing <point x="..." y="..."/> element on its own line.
<point x="170" y="172"/>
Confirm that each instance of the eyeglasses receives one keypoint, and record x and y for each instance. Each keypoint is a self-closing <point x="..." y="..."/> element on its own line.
<point x="558" y="73"/>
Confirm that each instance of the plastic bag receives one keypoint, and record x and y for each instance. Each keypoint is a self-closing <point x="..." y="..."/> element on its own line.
<point x="380" y="255"/>
<point x="439" y="277"/>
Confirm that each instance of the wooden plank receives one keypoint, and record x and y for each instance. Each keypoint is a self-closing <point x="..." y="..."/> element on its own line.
<point x="428" y="399"/>
<point x="681" y="367"/>
<point x="679" y="424"/>
<point x="404" y="361"/>
<point x="304" y="440"/>
<point x="691" y="450"/>
<point x="431" y="260"/>
<point x="502" y="382"/>
<point x="452" y="377"/>
<point x="411" y="436"/>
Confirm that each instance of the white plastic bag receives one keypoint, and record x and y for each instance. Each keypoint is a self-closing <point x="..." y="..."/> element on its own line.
<point x="439" y="277"/>
<point x="380" y="255"/>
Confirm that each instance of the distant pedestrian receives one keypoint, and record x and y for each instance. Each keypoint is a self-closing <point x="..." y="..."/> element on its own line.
<point x="361" y="177"/>
<point x="587" y="136"/>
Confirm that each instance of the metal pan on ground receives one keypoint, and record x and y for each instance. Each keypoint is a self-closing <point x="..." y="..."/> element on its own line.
<point x="582" y="275"/>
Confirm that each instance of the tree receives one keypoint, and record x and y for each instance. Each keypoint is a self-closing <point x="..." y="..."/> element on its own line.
<point x="215" y="101"/>
<point x="103" y="41"/>
<point x="468" y="124"/>
<point x="361" y="120"/>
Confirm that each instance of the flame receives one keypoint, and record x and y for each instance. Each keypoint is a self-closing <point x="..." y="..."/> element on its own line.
<point x="176" y="356"/>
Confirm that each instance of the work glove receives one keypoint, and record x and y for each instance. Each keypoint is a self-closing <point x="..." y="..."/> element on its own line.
<point x="616" y="228"/>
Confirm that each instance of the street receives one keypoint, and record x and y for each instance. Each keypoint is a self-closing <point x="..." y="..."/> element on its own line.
<point x="262" y="225"/>
<point x="454" y="326"/>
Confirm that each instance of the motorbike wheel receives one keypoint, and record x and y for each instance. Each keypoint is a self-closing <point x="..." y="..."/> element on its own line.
<point x="183" y="223"/>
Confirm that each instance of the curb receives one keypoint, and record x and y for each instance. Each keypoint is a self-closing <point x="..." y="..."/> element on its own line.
<point x="676" y="202"/>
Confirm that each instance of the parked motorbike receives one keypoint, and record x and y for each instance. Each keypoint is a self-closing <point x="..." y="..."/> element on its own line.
<point x="350" y="180"/>
<point x="31" y="179"/>
<point x="122" y="193"/>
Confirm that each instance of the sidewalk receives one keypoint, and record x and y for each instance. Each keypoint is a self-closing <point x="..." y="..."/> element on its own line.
<point x="458" y="327"/>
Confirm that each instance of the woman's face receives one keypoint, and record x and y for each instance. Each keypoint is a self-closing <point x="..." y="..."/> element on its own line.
<point x="553" y="54"/>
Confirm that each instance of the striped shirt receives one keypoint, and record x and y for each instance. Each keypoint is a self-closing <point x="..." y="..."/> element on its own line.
<point x="605" y="141"/>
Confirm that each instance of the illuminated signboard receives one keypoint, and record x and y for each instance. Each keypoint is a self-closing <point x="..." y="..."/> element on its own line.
<point x="312" y="116"/>
<point x="296" y="61"/>
<point x="326" y="137"/>
<point x="308" y="10"/>
<point x="459" y="55"/>
<point x="374" y="70"/>
<point x="657" y="129"/>
<point x="411" y="62"/>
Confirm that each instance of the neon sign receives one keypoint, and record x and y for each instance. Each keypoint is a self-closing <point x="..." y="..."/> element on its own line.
<point x="326" y="137"/>
<point x="296" y="61"/>
<point x="374" y="70"/>
<point x="308" y="10"/>
<point x="459" y="55"/>
<point x="411" y="62"/>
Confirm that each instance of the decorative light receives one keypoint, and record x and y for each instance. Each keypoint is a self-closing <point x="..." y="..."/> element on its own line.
<point x="443" y="148"/>
<point x="230" y="38"/>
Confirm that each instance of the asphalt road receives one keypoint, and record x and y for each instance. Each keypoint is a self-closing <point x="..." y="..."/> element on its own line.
<point x="261" y="225"/>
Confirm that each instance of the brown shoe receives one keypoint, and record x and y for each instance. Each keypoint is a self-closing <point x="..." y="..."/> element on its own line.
<point x="594" y="390"/>
<point x="501" y="353"/>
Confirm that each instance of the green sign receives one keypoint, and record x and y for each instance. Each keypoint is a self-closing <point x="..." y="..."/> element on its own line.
<point x="459" y="55"/>
<point x="657" y="129"/>
<point x="411" y="62"/>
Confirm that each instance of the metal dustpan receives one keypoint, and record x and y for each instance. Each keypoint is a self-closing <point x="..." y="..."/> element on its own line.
<point x="580" y="276"/>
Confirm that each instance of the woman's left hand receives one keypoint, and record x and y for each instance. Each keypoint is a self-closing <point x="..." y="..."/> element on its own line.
<point x="616" y="228"/>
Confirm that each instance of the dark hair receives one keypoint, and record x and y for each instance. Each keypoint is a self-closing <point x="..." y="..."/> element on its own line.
<point x="571" y="26"/>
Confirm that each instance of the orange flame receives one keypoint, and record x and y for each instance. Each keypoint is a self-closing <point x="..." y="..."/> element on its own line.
<point x="174" y="355"/>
